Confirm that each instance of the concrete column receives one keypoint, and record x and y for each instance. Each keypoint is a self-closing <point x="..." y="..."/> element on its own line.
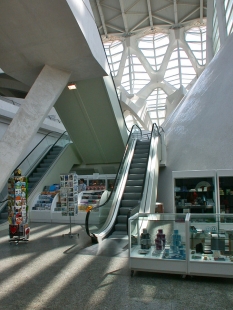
<point x="221" y="14"/>
<point x="39" y="101"/>
<point x="209" y="31"/>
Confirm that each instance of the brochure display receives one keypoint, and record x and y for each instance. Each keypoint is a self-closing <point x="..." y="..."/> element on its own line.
<point x="17" y="208"/>
<point x="69" y="196"/>
<point x="187" y="244"/>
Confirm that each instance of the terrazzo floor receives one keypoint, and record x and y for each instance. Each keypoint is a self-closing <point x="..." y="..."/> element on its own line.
<point x="52" y="271"/>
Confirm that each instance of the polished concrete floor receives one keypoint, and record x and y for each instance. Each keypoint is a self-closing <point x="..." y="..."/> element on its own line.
<point x="53" y="271"/>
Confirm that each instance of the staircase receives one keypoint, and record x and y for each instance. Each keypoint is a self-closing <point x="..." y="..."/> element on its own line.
<point x="134" y="186"/>
<point x="42" y="167"/>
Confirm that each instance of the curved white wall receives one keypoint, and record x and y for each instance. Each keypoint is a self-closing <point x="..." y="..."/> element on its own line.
<point x="199" y="133"/>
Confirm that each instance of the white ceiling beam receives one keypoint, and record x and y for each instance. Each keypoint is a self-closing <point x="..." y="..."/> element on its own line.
<point x="187" y="16"/>
<point x="138" y="24"/>
<point x="110" y="20"/>
<point x="163" y="8"/>
<point x="150" y="14"/>
<point x="133" y="4"/>
<point x="102" y="17"/>
<point x="201" y="11"/>
<point x="114" y="27"/>
<point x="124" y="16"/>
<point x="162" y="19"/>
<point x="110" y="7"/>
<point x="175" y="12"/>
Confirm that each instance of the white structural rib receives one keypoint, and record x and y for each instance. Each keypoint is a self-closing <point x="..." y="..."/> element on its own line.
<point x="124" y="16"/>
<point x="175" y="12"/>
<point x="201" y="11"/>
<point x="150" y="14"/>
<point x="102" y="17"/>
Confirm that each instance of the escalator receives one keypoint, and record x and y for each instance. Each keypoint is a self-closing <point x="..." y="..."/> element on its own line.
<point x="37" y="163"/>
<point x="134" y="189"/>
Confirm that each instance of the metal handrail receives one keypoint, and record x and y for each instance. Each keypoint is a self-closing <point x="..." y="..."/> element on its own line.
<point x="115" y="182"/>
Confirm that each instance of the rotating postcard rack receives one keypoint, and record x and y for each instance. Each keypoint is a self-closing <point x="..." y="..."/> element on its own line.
<point x="17" y="208"/>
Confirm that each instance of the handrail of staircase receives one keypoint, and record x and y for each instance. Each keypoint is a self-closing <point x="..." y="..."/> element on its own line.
<point x="39" y="144"/>
<point x="51" y="132"/>
<point x="134" y="127"/>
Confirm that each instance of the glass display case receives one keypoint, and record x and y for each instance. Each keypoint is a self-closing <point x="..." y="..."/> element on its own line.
<point x="194" y="191"/>
<point x="210" y="244"/>
<point x="225" y="191"/>
<point x="187" y="244"/>
<point x="158" y="242"/>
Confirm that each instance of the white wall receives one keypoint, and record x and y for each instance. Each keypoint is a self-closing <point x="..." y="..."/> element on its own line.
<point x="199" y="133"/>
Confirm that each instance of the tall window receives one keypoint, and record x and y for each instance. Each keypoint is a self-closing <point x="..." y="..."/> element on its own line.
<point x="229" y="15"/>
<point x="196" y="39"/>
<point x="154" y="47"/>
<point x="179" y="70"/>
<point x="134" y="76"/>
<point x="216" y="38"/>
<point x="156" y="106"/>
<point x="114" y="51"/>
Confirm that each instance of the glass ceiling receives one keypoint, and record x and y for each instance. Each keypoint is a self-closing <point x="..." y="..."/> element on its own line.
<point x="156" y="55"/>
<point x="134" y="76"/>
<point x="154" y="47"/>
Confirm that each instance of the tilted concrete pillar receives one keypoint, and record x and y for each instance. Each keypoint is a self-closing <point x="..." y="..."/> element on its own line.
<point x="38" y="102"/>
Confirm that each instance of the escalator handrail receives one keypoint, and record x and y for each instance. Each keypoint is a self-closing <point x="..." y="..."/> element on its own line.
<point x="155" y="129"/>
<point x="52" y="147"/>
<point x="37" y="146"/>
<point x="3" y="202"/>
<point x="115" y="183"/>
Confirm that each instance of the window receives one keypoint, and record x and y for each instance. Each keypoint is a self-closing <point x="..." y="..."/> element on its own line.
<point x="156" y="106"/>
<point x="114" y="51"/>
<point x="134" y="76"/>
<point x="179" y="70"/>
<point x="196" y="39"/>
<point x="154" y="47"/>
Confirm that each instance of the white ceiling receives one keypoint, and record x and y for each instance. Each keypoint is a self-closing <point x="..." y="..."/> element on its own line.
<point x="127" y="17"/>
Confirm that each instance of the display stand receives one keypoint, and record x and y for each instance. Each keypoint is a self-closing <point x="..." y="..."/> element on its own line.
<point x="17" y="208"/>
<point x="69" y="197"/>
<point x="69" y="233"/>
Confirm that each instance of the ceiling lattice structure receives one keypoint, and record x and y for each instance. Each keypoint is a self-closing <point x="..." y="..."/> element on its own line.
<point x="156" y="51"/>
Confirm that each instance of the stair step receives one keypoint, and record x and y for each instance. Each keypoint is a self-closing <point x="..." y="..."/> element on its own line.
<point x="129" y="203"/>
<point x="137" y="171"/>
<point x="134" y="182"/>
<point x="41" y="169"/>
<point x="138" y="165"/>
<point x="122" y="218"/>
<point x="133" y="189"/>
<point x="4" y="215"/>
<point x="44" y="165"/>
<point x="139" y="160"/>
<point x="37" y="174"/>
<point x="121" y="227"/>
<point x="47" y="160"/>
<point x="133" y="176"/>
<point x="33" y="179"/>
<point x="131" y="196"/>
<point x="51" y="156"/>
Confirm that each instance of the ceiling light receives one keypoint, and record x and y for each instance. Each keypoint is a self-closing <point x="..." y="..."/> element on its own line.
<point x="72" y="86"/>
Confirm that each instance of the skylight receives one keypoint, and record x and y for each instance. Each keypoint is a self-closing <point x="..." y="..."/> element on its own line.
<point x="229" y="15"/>
<point x="134" y="76"/>
<point x="114" y="51"/>
<point x="216" y="39"/>
<point x="156" y="106"/>
<point x="196" y="39"/>
<point x="154" y="47"/>
<point x="179" y="70"/>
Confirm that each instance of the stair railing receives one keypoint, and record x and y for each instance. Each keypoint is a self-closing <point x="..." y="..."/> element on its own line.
<point x="100" y="218"/>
